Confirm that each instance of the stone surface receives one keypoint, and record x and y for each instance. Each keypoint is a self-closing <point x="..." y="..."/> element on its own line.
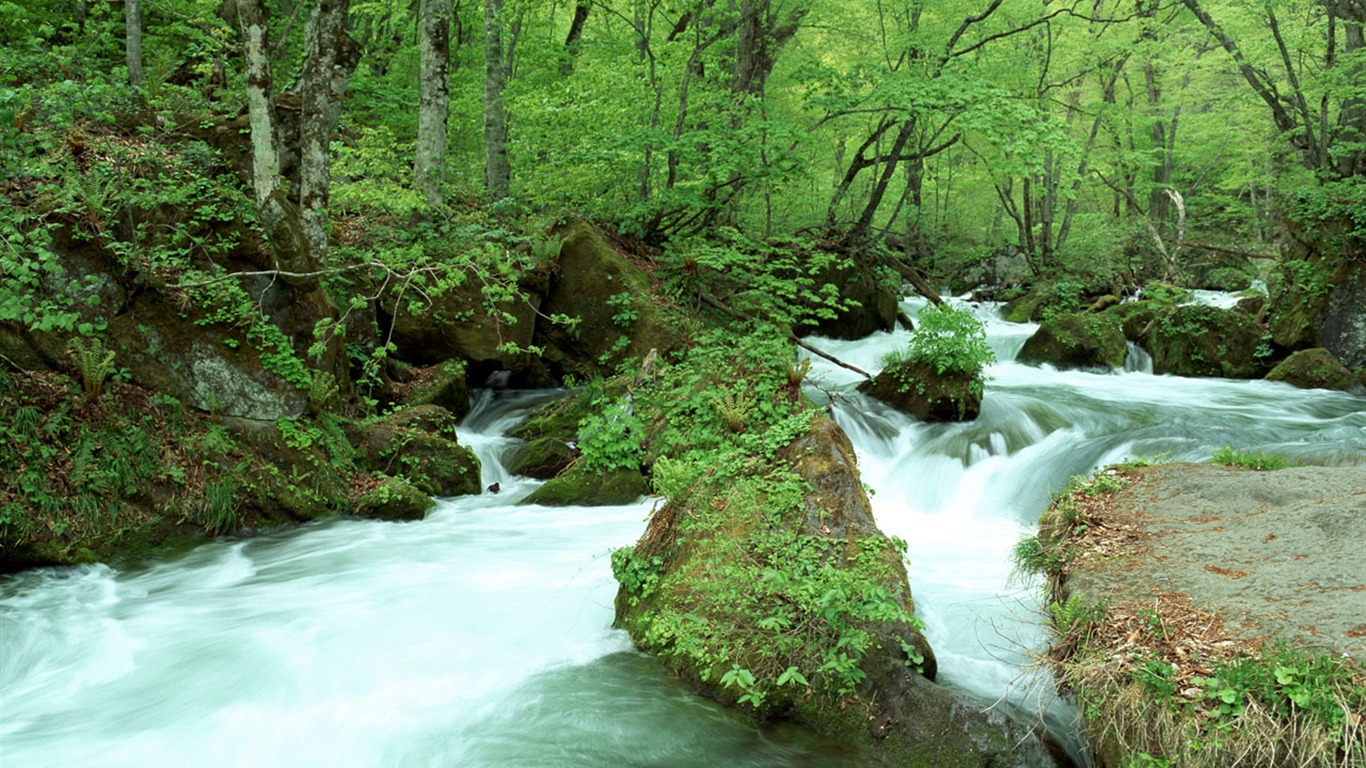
<point x="1273" y="554"/>
<point x="1314" y="369"/>
<point x="590" y="489"/>
<point x="1076" y="341"/>
<point x="919" y="390"/>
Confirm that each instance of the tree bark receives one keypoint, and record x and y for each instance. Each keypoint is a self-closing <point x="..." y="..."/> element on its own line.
<point x="318" y="116"/>
<point x="571" y="41"/>
<point x="132" y="18"/>
<point x="434" y="103"/>
<point x="497" y="171"/>
<point x="265" y="159"/>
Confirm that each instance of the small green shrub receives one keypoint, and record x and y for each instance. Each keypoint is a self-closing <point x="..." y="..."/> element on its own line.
<point x="952" y="340"/>
<point x="1263" y="462"/>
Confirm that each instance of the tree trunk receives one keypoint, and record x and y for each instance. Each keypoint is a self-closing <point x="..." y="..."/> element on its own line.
<point x="571" y="41"/>
<point x="265" y="159"/>
<point x="1351" y="127"/>
<point x="434" y="104"/>
<point x="497" y="171"/>
<point x="132" y="18"/>
<point x="317" y="118"/>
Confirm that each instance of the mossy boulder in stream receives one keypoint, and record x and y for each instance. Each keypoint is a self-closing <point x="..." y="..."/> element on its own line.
<point x="394" y="498"/>
<point x="1314" y="369"/>
<point x="591" y="488"/>
<point x="920" y="390"/>
<point x="768" y="586"/>
<point x="444" y="385"/>
<point x="542" y="458"/>
<point x="1196" y="340"/>
<point x="419" y="445"/>
<point x="1076" y="341"/>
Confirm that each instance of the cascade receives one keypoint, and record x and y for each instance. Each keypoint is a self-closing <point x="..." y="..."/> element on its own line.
<point x="481" y="636"/>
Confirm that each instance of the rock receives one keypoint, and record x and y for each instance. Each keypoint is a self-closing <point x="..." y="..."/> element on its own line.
<point x="1314" y="369"/>
<point x="393" y="499"/>
<point x="917" y="389"/>
<point x="1342" y="327"/>
<point x="874" y="303"/>
<point x="1104" y="303"/>
<point x="419" y="446"/>
<point x="609" y="295"/>
<point x="458" y="324"/>
<point x="591" y="489"/>
<point x="543" y="458"/>
<point x="444" y="385"/>
<point x="685" y="566"/>
<point x="280" y="480"/>
<point x="1076" y="341"/>
<point x="1204" y="341"/>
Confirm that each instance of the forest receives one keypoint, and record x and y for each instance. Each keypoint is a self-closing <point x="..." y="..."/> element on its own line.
<point x="267" y="263"/>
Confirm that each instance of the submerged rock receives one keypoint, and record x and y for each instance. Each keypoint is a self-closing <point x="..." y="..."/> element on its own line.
<point x="1076" y="341"/>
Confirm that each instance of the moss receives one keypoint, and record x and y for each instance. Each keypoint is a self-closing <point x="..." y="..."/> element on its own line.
<point x="1205" y="341"/>
<point x="581" y="487"/>
<point x="1076" y="341"/>
<point x="419" y="445"/>
<point x="393" y="499"/>
<point x="542" y="459"/>
<point x="443" y="385"/>
<point x="917" y="389"/>
<point x="1314" y="369"/>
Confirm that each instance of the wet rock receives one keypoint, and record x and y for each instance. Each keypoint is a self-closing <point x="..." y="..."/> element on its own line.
<point x="394" y="499"/>
<point x="918" y="389"/>
<point x="418" y="445"/>
<point x="1076" y="341"/>
<point x="1314" y="369"/>
<point x="542" y="459"/>
<point x="591" y="488"/>
<point x="444" y="385"/>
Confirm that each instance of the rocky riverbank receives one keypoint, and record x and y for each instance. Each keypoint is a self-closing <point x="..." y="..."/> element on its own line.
<point x="1211" y="615"/>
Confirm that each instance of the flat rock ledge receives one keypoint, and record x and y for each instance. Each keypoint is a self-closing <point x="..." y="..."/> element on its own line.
<point x="1275" y="555"/>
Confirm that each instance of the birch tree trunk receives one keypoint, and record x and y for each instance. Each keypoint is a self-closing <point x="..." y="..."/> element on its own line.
<point x="317" y="119"/>
<point x="497" y="172"/>
<point x="434" y="105"/>
<point x="132" y="19"/>
<point x="265" y="159"/>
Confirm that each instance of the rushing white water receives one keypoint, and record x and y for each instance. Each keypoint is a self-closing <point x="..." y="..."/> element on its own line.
<point x="962" y="495"/>
<point x="481" y="636"/>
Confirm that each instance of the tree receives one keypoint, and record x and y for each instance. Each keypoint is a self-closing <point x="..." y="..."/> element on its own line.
<point x="497" y="170"/>
<point x="132" y="13"/>
<point x="434" y="110"/>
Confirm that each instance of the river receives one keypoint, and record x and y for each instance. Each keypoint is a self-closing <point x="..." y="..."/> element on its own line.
<point x="481" y="636"/>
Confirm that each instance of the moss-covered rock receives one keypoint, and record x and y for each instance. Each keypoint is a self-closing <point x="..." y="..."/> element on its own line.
<point x="1314" y="369"/>
<point x="1205" y="341"/>
<point x="1076" y="341"/>
<point x="458" y="323"/>
<point x="872" y="303"/>
<point x="726" y="587"/>
<point x="543" y="458"/>
<point x="419" y="445"/>
<point x="591" y="488"/>
<point x="918" y="389"/>
<point x="393" y="498"/>
<point x="609" y="297"/>
<point x="445" y="385"/>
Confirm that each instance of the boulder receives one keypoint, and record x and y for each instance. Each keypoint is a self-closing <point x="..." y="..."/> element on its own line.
<point x="873" y="303"/>
<point x="393" y="499"/>
<point x="918" y="389"/>
<point x="609" y="298"/>
<point x="1197" y="340"/>
<point x="418" y="445"/>
<point x="591" y="489"/>
<point x="543" y="458"/>
<point x="1076" y="341"/>
<point x="805" y="527"/>
<point x="445" y="385"/>
<point x="460" y="323"/>
<point x="1314" y="369"/>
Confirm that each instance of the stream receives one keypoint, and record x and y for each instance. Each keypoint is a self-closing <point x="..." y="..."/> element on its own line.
<point x="481" y="636"/>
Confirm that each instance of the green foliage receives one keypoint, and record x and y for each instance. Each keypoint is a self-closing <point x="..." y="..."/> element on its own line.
<point x="1256" y="461"/>
<point x="94" y="363"/>
<point x="952" y="340"/>
<point x="611" y="439"/>
<point x="1074" y="616"/>
<point x="1289" y="682"/>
